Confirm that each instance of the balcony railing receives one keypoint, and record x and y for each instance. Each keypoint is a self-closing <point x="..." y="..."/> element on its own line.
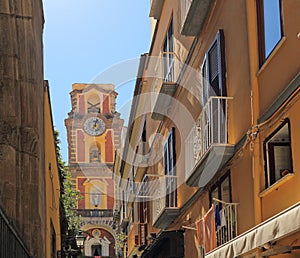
<point x="167" y="70"/>
<point x="165" y="201"/>
<point x="11" y="245"/>
<point x="95" y="213"/>
<point x="228" y="228"/>
<point x="210" y="130"/>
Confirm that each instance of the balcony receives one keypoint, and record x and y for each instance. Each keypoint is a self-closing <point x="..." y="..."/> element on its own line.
<point x="193" y="16"/>
<point x="207" y="148"/>
<point x="156" y="8"/>
<point x="164" y="202"/>
<point x="87" y="213"/>
<point x="228" y="228"/>
<point x="170" y="69"/>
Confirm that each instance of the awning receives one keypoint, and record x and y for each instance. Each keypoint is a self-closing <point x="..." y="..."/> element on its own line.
<point x="281" y="225"/>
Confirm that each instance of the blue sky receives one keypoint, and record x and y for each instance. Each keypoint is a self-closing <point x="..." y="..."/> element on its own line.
<point x="84" y="38"/>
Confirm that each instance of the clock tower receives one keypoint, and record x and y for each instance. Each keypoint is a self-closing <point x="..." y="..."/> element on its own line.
<point x="93" y="128"/>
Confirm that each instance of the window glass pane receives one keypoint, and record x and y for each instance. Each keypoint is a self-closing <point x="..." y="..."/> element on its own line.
<point x="225" y="190"/>
<point x="282" y="160"/>
<point x="272" y="25"/>
<point x="215" y="194"/>
<point x="278" y="153"/>
<point x="96" y="195"/>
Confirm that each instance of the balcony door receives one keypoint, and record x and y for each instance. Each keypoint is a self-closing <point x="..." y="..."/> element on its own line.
<point x="168" y="54"/>
<point x="213" y="89"/>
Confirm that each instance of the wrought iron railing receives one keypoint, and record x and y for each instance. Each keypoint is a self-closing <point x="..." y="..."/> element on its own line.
<point x="209" y="129"/>
<point x="95" y="213"/>
<point x="165" y="195"/>
<point x="228" y="228"/>
<point x="11" y="245"/>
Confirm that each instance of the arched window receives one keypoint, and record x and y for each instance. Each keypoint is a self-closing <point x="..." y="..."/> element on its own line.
<point x="96" y="195"/>
<point x="93" y="105"/>
<point x="95" y="154"/>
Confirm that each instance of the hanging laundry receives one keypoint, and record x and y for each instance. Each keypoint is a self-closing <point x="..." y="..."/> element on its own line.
<point x="222" y="218"/>
<point x="217" y="216"/>
<point x="210" y="242"/>
<point x="200" y="229"/>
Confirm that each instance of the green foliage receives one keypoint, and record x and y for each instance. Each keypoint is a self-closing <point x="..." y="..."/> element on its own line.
<point x="70" y="199"/>
<point x="120" y="241"/>
<point x="69" y="195"/>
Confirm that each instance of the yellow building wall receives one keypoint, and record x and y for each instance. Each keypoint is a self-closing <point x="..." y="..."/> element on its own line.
<point x="279" y="197"/>
<point x="52" y="179"/>
<point x="283" y="64"/>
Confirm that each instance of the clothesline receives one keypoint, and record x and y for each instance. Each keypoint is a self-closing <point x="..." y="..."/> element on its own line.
<point x="227" y="203"/>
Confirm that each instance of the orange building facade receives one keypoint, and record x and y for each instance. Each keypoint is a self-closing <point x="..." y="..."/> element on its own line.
<point x="211" y="164"/>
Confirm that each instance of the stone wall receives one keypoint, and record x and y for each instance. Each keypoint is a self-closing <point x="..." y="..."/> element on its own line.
<point x="22" y="183"/>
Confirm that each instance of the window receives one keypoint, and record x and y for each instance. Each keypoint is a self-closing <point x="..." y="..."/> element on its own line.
<point x="278" y="154"/>
<point x="95" y="155"/>
<point x="170" y="171"/>
<point x="213" y="86"/>
<point x="143" y="204"/>
<point x="269" y="26"/>
<point x="221" y="190"/>
<point x="96" y="195"/>
<point x="168" y="54"/>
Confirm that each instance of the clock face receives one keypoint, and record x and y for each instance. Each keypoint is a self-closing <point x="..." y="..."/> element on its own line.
<point x="94" y="126"/>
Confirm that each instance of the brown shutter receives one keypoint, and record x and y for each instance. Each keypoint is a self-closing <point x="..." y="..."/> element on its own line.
<point x="213" y="70"/>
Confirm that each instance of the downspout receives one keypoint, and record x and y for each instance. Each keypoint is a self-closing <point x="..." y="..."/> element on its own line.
<point x="254" y="98"/>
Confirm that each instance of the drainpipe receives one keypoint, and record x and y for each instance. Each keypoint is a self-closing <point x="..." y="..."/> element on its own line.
<point x="254" y="95"/>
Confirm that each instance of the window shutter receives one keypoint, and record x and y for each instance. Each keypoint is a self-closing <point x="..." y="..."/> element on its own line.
<point x="205" y="84"/>
<point x="172" y="151"/>
<point x="166" y="159"/>
<point x="213" y="57"/>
